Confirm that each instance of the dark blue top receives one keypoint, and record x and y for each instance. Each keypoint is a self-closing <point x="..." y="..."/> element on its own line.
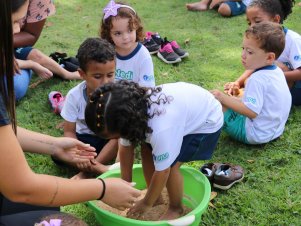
<point x="4" y="119"/>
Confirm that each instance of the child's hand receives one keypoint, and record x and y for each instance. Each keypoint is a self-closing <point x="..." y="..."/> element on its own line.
<point x="218" y="94"/>
<point x="232" y="88"/>
<point x="137" y="211"/>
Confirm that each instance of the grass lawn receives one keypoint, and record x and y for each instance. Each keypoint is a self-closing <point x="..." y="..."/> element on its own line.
<point x="270" y="193"/>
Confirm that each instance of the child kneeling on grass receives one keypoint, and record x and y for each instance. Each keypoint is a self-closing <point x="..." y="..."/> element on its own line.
<point x="97" y="66"/>
<point x="261" y="114"/>
<point x="180" y="122"/>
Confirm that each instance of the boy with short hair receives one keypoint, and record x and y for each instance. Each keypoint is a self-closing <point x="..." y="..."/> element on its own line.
<point x="96" y="67"/>
<point x="261" y="114"/>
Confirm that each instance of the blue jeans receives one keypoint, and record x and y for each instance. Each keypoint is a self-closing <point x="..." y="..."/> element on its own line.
<point x="21" y="83"/>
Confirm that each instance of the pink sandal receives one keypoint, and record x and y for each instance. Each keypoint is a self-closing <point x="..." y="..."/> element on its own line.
<point x="56" y="100"/>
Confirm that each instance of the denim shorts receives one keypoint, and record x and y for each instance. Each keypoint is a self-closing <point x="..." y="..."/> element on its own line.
<point x="198" y="147"/>
<point x="236" y="8"/>
<point x="296" y="93"/>
<point x="22" y="52"/>
<point x="235" y="125"/>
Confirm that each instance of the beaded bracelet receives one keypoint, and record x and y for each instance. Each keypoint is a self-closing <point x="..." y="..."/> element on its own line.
<point x="103" y="188"/>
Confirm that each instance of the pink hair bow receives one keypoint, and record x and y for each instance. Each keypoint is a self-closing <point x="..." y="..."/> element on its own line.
<point x="111" y="9"/>
<point x="52" y="222"/>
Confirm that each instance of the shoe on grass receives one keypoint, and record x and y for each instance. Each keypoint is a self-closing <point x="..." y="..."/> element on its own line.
<point x="226" y="175"/>
<point x="152" y="42"/>
<point x="56" y="100"/>
<point x="209" y="169"/>
<point x="180" y="52"/>
<point x="167" y="54"/>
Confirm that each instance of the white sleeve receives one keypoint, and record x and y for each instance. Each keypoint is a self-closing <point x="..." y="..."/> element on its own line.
<point x="146" y="74"/>
<point x="295" y="53"/>
<point x="69" y="111"/>
<point x="253" y="96"/>
<point x="124" y="142"/>
<point x="166" y="147"/>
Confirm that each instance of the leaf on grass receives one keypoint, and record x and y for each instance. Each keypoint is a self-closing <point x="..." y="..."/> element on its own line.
<point x="165" y="74"/>
<point x="187" y="40"/>
<point x="211" y="205"/>
<point x="250" y="160"/>
<point x="213" y="195"/>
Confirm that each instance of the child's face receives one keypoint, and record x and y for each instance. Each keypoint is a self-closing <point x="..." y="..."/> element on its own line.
<point x="252" y="57"/>
<point x="98" y="74"/>
<point x="256" y="15"/>
<point x="123" y="38"/>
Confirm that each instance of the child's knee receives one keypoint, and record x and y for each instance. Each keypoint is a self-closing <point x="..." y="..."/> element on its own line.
<point x="224" y="10"/>
<point x="37" y="56"/>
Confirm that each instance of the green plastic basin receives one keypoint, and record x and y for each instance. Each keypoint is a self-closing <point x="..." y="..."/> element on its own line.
<point x="196" y="196"/>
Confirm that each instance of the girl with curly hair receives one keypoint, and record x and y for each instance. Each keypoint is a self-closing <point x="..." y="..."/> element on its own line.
<point x="180" y="122"/>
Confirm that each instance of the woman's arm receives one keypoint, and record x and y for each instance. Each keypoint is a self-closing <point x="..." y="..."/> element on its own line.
<point x="66" y="149"/>
<point x="29" y="34"/>
<point x="18" y="183"/>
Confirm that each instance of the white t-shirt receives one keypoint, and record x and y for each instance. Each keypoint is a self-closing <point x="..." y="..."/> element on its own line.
<point x="74" y="108"/>
<point x="246" y="2"/>
<point x="137" y="67"/>
<point x="268" y="95"/>
<point x="191" y="110"/>
<point x="291" y="55"/>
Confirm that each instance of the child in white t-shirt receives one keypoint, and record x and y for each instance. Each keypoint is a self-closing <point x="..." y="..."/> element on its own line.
<point x="122" y="27"/>
<point x="261" y="114"/>
<point x="179" y="122"/>
<point x="97" y="66"/>
<point x="290" y="59"/>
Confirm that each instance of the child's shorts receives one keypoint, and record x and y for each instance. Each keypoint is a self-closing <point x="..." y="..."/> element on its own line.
<point x="236" y="8"/>
<point x="235" y="125"/>
<point x="96" y="142"/>
<point x="198" y="147"/>
<point x="296" y="94"/>
<point x="22" y="52"/>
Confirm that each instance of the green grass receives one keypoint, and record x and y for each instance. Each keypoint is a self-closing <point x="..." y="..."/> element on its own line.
<point x="270" y="192"/>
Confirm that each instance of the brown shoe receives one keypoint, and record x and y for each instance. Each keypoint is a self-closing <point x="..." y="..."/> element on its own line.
<point x="209" y="169"/>
<point x="226" y="175"/>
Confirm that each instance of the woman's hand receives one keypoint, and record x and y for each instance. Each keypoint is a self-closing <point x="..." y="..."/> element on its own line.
<point x="120" y="194"/>
<point x="73" y="151"/>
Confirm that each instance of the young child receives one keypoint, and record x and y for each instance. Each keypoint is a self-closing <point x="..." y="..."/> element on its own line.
<point x="290" y="59"/>
<point x="122" y="27"/>
<point x="97" y="66"/>
<point x="180" y="122"/>
<point x="61" y="219"/>
<point x="225" y="8"/>
<point x="261" y="115"/>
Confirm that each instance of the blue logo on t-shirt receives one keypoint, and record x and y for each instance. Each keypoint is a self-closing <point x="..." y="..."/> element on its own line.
<point x="251" y="99"/>
<point x="297" y="58"/>
<point x="148" y="78"/>
<point x="160" y="158"/>
<point x="119" y="74"/>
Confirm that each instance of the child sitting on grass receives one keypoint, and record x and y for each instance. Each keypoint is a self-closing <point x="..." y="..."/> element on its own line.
<point x="261" y="115"/>
<point x="180" y="122"/>
<point x="97" y="66"/>
<point x="290" y="59"/>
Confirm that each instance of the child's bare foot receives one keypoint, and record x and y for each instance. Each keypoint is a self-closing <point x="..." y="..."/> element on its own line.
<point x="197" y="6"/>
<point x="72" y="75"/>
<point x="172" y="213"/>
<point x="215" y="3"/>
<point x="159" y="201"/>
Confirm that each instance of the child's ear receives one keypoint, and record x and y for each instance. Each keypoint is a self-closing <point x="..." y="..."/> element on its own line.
<point x="271" y="58"/>
<point x="276" y="19"/>
<point x="81" y="73"/>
